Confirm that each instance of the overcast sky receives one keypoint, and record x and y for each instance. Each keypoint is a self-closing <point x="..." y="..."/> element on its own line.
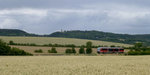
<point x="47" y="16"/>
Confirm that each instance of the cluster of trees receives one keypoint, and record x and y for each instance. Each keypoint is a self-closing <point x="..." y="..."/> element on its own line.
<point x="7" y="50"/>
<point x="81" y="50"/>
<point x="72" y="50"/>
<point x="139" y="49"/>
<point x="38" y="51"/>
<point x="52" y="50"/>
<point x="68" y="51"/>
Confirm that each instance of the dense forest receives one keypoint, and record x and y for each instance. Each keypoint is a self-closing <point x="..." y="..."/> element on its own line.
<point x="92" y="35"/>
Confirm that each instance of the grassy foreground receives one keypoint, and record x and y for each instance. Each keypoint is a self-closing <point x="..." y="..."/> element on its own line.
<point x="54" y="40"/>
<point x="74" y="65"/>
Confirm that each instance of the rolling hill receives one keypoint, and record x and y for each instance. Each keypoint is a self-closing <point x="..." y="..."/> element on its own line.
<point x="14" y="32"/>
<point x="104" y="36"/>
<point x="90" y="35"/>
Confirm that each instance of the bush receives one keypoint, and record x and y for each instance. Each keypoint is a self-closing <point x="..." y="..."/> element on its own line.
<point x="134" y="53"/>
<point x="53" y="50"/>
<point x="68" y="51"/>
<point x="38" y="51"/>
<point x="139" y="52"/>
<point x="112" y="46"/>
<point x="81" y="50"/>
<point x="145" y="53"/>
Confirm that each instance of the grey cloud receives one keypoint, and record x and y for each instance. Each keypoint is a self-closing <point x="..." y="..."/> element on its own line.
<point x="47" y="16"/>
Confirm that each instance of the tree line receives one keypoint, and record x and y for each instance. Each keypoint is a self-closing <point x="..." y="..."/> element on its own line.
<point x="57" y="45"/>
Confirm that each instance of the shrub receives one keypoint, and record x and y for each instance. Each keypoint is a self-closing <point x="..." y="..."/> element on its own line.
<point x="53" y="50"/>
<point x="68" y="51"/>
<point x="112" y="46"/>
<point x="134" y="53"/>
<point x="145" y="53"/>
<point x="139" y="52"/>
<point x="38" y="51"/>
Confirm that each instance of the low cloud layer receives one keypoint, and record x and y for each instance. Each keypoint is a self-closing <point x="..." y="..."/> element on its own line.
<point x="47" y="16"/>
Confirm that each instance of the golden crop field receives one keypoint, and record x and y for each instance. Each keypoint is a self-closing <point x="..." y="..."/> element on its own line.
<point x="54" y="40"/>
<point x="74" y="65"/>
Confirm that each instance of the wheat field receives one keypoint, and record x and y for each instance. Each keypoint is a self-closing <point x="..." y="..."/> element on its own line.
<point x="54" y="40"/>
<point x="74" y="65"/>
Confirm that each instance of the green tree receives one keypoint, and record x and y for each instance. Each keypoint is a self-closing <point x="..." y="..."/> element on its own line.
<point x="53" y="50"/>
<point x="11" y="42"/>
<point x="89" y="44"/>
<point x="4" y="48"/>
<point x="38" y="51"/>
<point x="112" y="46"/>
<point x="68" y="51"/>
<point x="138" y="46"/>
<point x="81" y="50"/>
<point x="89" y="47"/>
<point x="73" y="50"/>
<point x="88" y="50"/>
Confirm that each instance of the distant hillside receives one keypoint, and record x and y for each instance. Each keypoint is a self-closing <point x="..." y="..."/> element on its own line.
<point x="14" y="32"/>
<point x="91" y="35"/>
<point x="104" y="36"/>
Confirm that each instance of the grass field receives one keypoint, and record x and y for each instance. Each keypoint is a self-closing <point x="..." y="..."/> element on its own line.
<point x="54" y="40"/>
<point x="74" y="65"/>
